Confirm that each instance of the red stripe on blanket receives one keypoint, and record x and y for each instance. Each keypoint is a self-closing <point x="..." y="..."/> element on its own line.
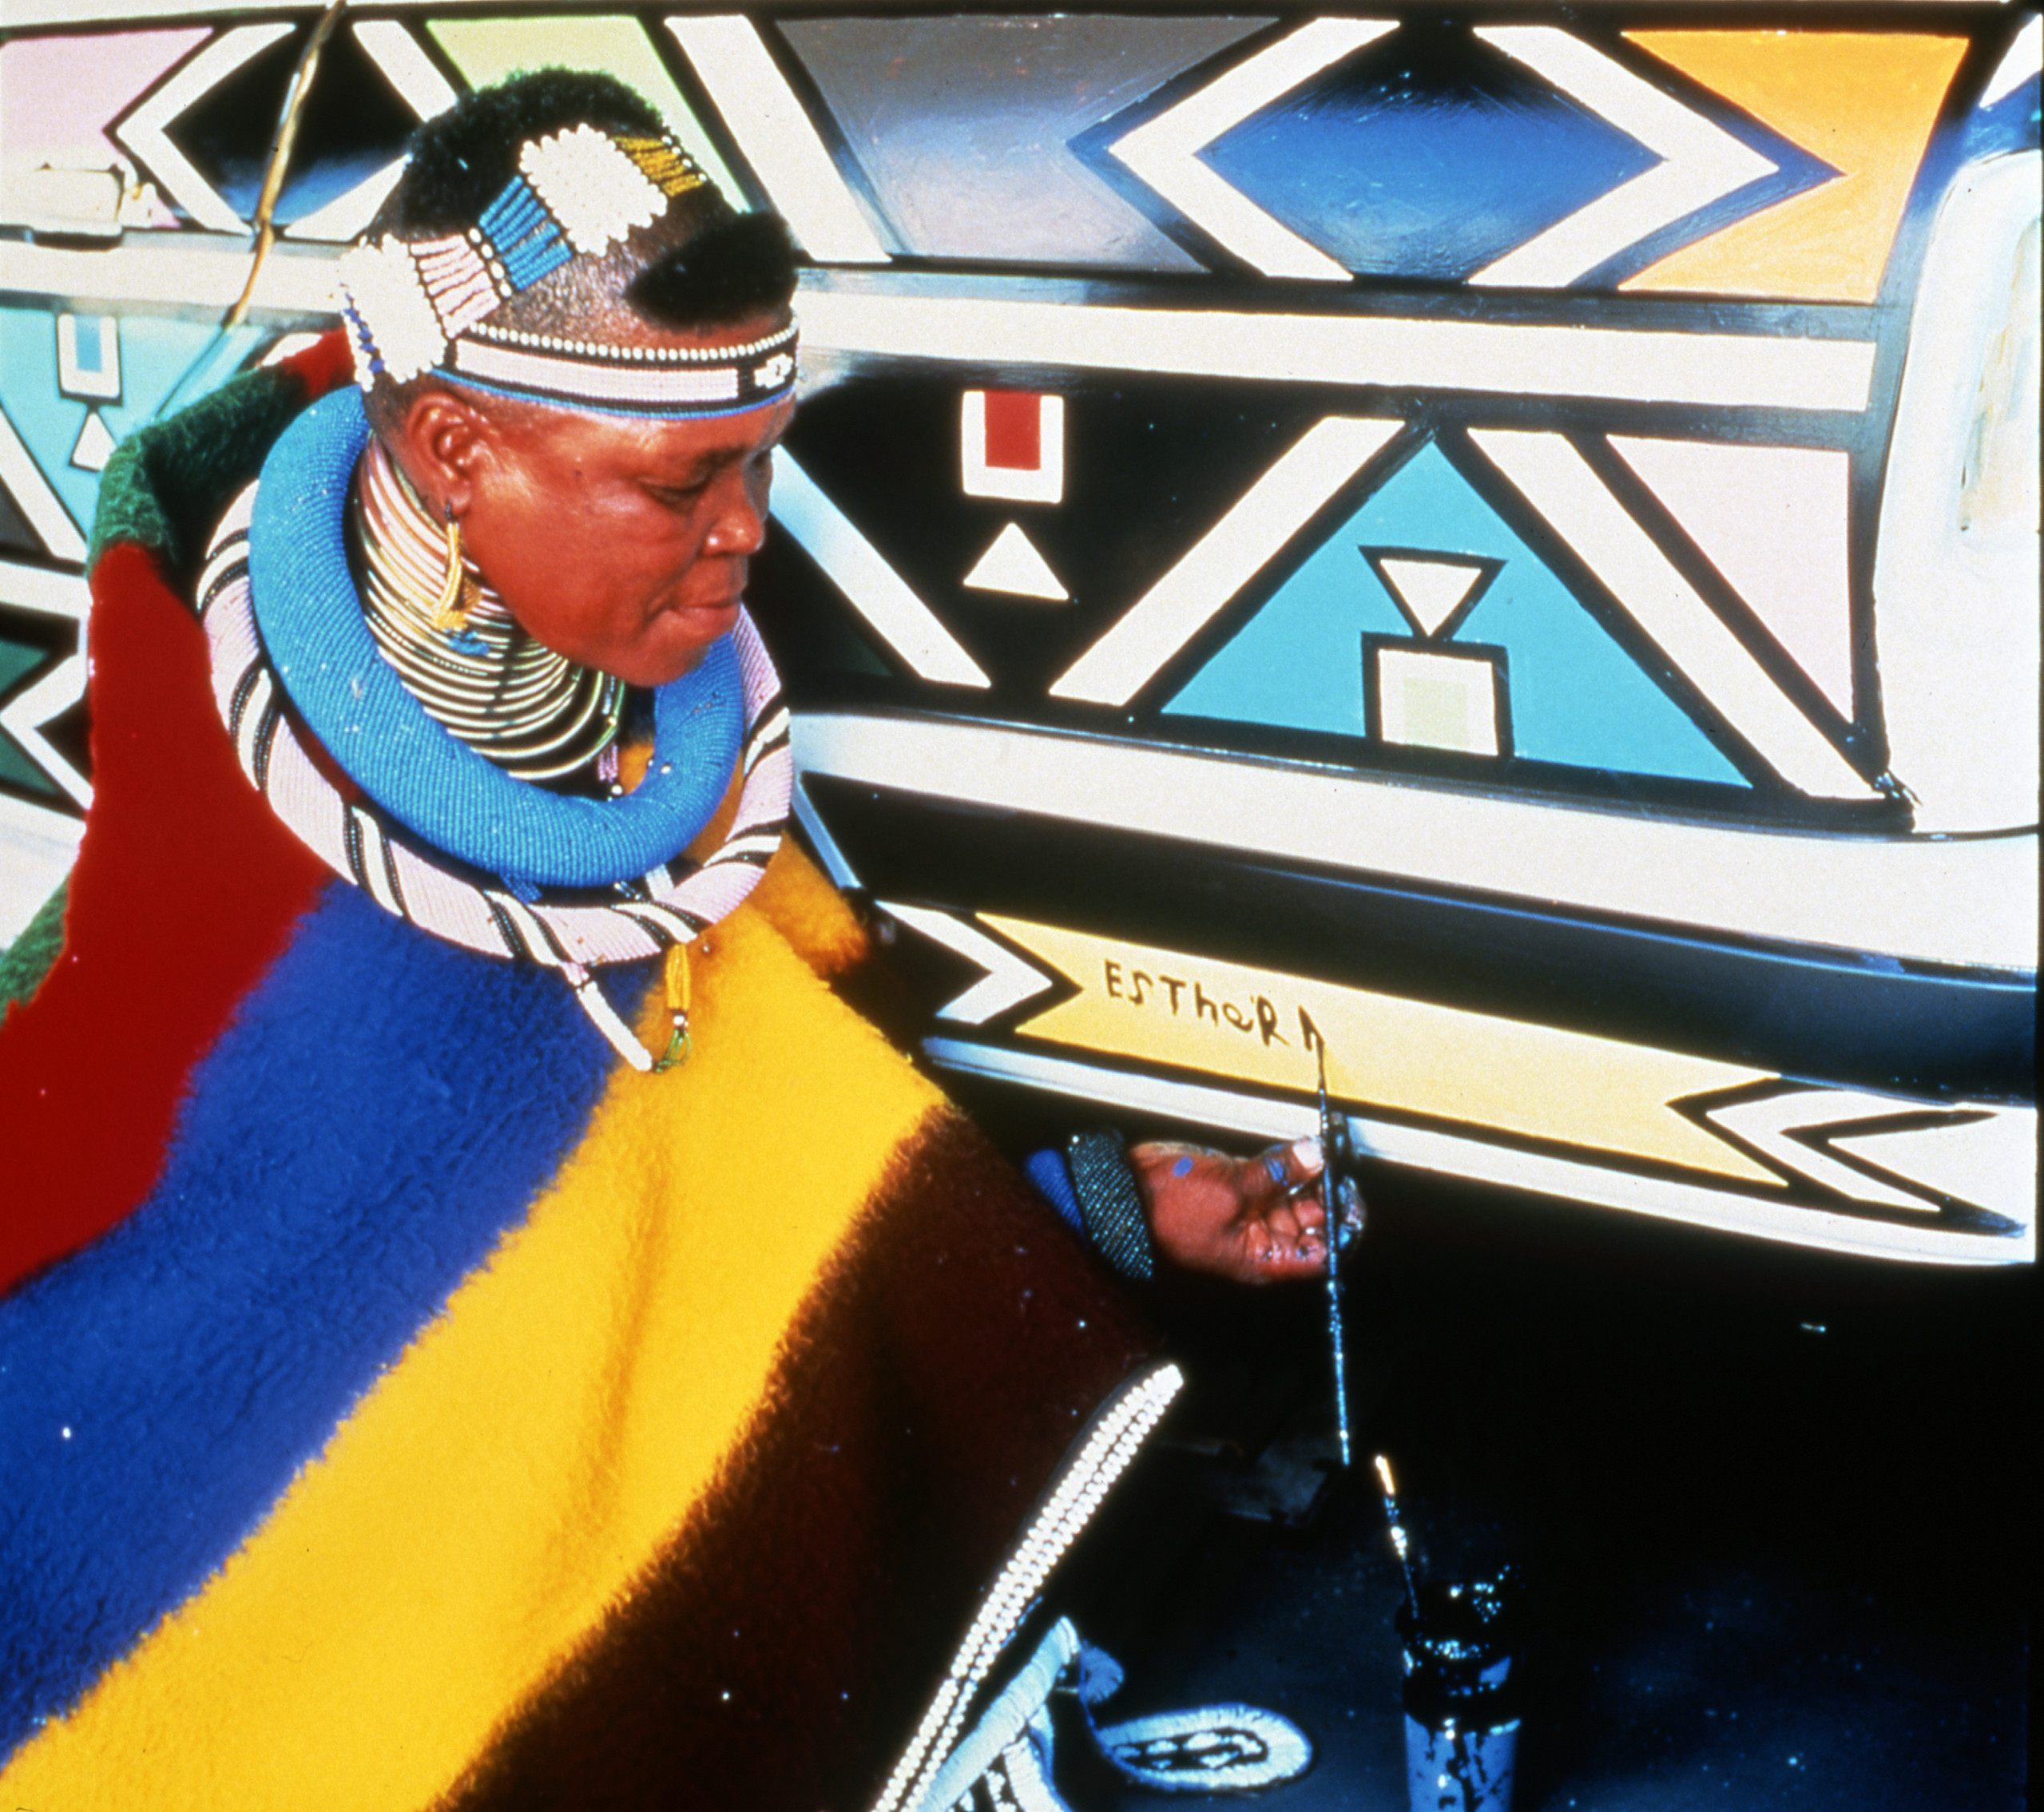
<point x="185" y="888"/>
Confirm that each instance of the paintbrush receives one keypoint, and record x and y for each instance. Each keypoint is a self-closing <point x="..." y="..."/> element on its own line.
<point x="1399" y="1541"/>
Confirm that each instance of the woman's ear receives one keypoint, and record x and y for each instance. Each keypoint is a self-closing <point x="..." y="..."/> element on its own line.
<point x="442" y="443"/>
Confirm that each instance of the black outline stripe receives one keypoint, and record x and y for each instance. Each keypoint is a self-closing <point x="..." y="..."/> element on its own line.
<point x="651" y="917"/>
<point x="265" y="740"/>
<point x="245" y="689"/>
<point x="514" y="944"/>
<point x="233" y="571"/>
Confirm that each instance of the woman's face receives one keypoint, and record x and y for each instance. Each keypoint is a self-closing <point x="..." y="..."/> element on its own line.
<point x="624" y="544"/>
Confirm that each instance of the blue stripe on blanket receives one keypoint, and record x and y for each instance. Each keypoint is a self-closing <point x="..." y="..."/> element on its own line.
<point x="383" y="1108"/>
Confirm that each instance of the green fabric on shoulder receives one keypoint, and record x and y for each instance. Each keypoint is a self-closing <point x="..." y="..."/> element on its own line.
<point x="31" y="956"/>
<point x="167" y="483"/>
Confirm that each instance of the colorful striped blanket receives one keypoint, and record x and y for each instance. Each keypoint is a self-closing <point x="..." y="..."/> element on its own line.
<point x="403" y="1402"/>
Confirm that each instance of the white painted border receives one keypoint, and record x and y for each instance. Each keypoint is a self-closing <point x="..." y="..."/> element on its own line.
<point x="1700" y="162"/>
<point x="49" y="594"/>
<point x="72" y="378"/>
<point x="1558" y="483"/>
<point x="842" y="875"/>
<point x="172" y="270"/>
<point x="1970" y="902"/>
<point x="395" y="51"/>
<point x="778" y="138"/>
<point x="25" y="15"/>
<point x="2023" y="59"/>
<point x="873" y="587"/>
<point x="1224" y="560"/>
<point x="1712" y="370"/>
<point x="34" y="496"/>
<point x="1045" y="484"/>
<point x="1262" y="1117"/>
<point x="1476" y="673"/>
<point x="1165" y="151"/>
<point x="146" y="132"/>
<point x="1008" y="980"/>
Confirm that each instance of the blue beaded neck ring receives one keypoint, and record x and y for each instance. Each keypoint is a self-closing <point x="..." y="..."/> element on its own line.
<point x="309" y="614"/>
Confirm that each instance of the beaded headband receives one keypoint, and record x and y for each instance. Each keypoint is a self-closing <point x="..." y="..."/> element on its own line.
<point x="422" y="305"/>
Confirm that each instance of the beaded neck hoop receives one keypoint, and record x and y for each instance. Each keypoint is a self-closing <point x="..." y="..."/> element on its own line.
<point x="424" y="305"/>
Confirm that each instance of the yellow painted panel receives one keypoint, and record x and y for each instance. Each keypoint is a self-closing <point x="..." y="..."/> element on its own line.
<point x="487" y="50"/>
<point x="1164" y="1006"/>
<point x="1864" y="102"/>
<point x="507" y="1481"/>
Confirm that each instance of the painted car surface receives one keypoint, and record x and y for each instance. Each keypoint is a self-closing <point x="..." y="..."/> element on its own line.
<point x="1504" y="541"/>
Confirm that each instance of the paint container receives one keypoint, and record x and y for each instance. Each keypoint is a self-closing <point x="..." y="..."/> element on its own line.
<point x="1462" y="1694"/>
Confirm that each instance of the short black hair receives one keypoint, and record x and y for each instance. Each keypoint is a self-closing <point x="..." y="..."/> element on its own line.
<point x="742" y="265"/>
<point x="462" y="159"/>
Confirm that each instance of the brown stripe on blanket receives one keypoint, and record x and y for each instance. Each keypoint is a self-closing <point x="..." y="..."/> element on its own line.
<point x="777" y="1655"/>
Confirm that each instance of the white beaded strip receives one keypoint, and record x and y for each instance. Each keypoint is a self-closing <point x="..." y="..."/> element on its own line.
<point x="410" y="303"/>
<point x="380" y="283"/>
<point x="458" y="281"/>
<point x="595" y="191"/>
<point x="782" y="340"/>
<point x="1118" y="1432"/>
<point x="407" y="302"/>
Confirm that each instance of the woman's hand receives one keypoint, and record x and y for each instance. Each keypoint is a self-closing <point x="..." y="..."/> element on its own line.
<point x="1253" y="1220"/>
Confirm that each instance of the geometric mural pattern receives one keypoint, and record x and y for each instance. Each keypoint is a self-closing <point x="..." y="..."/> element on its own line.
<point x="1495" y="398"/>
<point x="1576" y="696"/>
<point x="1420" y="152"/>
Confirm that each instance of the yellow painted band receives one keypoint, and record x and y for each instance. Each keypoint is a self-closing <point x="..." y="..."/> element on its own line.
<point x="1165" y="1006"/>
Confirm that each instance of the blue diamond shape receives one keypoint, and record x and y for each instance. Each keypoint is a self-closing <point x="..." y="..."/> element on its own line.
<point x="1427" y="154"/>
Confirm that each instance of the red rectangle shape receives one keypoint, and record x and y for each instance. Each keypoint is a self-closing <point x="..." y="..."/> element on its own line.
<point x="1014" y="429"/>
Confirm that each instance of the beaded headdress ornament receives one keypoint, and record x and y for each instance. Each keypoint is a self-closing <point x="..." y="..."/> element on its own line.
<point x="425" y="305"/>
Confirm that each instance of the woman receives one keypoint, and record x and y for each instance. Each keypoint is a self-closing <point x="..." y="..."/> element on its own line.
<point x="493" y="1327"/>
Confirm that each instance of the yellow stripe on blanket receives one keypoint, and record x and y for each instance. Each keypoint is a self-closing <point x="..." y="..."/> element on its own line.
<point x="506" y="1482"/>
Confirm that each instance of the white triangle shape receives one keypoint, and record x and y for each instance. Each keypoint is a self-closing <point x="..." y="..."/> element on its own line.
<point x="1431" y="589"/>
<point x="95" y="445"/>
<point x="1991" y="1163"/>
<point x="1012" y="565"/>
<point x="1008" y="981"/>
<point x="1773" y="520"/>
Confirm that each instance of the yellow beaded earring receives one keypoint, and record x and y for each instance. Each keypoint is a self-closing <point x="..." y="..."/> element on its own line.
<point x="450" y="609"/>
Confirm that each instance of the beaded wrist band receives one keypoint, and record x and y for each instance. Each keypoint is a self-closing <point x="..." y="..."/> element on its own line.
<point x="423" y="305"/>
<point x="1111" y="1204"/>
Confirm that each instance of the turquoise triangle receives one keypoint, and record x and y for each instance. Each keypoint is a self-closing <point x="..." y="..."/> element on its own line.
<point x="1576" y="696"/>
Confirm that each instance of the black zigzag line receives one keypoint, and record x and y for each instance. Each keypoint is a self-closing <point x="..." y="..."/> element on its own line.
<point x="756" y="751"/>
<point x="352" y="843"/>
<point x="391" y="869"/>
<point x="654" y="917"/>
<point x="561" y="952"/>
